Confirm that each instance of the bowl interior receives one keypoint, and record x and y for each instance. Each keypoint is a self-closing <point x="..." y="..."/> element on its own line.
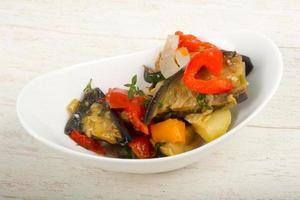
<point x="42" y="104"/>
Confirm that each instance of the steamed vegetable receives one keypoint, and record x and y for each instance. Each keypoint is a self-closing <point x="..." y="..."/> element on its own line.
<point x="192" y="141"/>
<point x="98" y="123"/>
<point x="134" y="109"/>
<point x="170" y="130"/>
<point x="167" y="64"/>
<point x="192" y="43"/>
<point x="173" y="99"/>
<point x="90" y="97"/>
<point x="94" y="118"/>
<point x="73" y="106"/>
<point x="152" y="106"/>
<point x="182" y="57"/>
<point x="212" y="60"/>
<point x="87" y="142"/>
<point x="211" y="126"/>
<point x="141" y="147"/>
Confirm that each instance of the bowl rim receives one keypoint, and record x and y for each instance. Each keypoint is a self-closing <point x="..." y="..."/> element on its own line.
<point x="190" y="153"/>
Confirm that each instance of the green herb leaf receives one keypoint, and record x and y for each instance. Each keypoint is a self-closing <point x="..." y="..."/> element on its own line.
<point x="88" y="87"/>
<point x="131" y="93"/>
<point x="134" y="80"/>
<point x="127" y="85"/>
<point x="133" y="89"/>
<point x="201" y="100"/>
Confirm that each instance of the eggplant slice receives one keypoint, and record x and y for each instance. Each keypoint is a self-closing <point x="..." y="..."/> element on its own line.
<point x="174" y="99"/>
<point x="88" y="99"/>
<point x="154" y="103"/>
<point x="94" y="118"/>
<point x="248" y="63"/>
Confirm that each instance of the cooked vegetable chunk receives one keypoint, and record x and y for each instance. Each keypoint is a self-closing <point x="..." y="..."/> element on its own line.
<point x="175" y="98"/>
<point x="167" y="63"/>
<point x="192" y="141"/>
<point x="98" y="123"/>
<point x="87" y="142"/>
<point x="93" y="117"/>
<point x="90" y="96"/>
<point x="154" y="103"/>
<point x="141" y="147"/>
<point x="211" y="126"/>
<point x="73" y="106"/>
<point x="170" y="130"/>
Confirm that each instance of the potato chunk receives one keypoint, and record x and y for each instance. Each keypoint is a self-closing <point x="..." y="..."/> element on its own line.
<point x="211" y="126"/>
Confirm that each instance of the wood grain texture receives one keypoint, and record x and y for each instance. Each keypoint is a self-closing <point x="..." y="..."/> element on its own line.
<point x="262" y="161"/>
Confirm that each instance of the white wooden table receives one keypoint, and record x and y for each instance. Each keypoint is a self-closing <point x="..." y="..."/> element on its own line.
<point x="262" y="161"/>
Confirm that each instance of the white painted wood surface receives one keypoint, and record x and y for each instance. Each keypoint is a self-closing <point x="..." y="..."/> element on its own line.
<point x="261" y="162"/>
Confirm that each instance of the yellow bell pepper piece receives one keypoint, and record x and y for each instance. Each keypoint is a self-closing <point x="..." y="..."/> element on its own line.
<point x="170" y="130"/>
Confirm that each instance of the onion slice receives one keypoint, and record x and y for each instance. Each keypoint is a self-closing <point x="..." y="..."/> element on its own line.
<point x="167" y="63"/>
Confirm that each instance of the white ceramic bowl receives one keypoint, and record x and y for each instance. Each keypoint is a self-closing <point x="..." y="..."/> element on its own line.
<point x="41" y="106"/>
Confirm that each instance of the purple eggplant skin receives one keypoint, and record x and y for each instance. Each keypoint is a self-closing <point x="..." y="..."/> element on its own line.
<point x="91" y="96"/>
<point x="242" y="97"/>
<point x="126" y="138"/>
<point x="248" y="64"/>
<point x="153" y="104"/>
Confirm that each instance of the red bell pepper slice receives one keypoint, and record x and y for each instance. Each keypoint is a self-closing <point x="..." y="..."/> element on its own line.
<point x="135" y="111"/>
<point x="118" y="99"/>
<point x="87" y="142"/>
<point x="192" y="43"/>
<point x="212" y="59"/>
<point x="141" y="147"/>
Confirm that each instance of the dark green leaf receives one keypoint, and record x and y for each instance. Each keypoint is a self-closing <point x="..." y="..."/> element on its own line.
<point x="133" y="89"/>
<point x="131" y="93"/>
<point x="127" y="85"/>
<point x="153" y="77"/>
<point x="134" y="80"/>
